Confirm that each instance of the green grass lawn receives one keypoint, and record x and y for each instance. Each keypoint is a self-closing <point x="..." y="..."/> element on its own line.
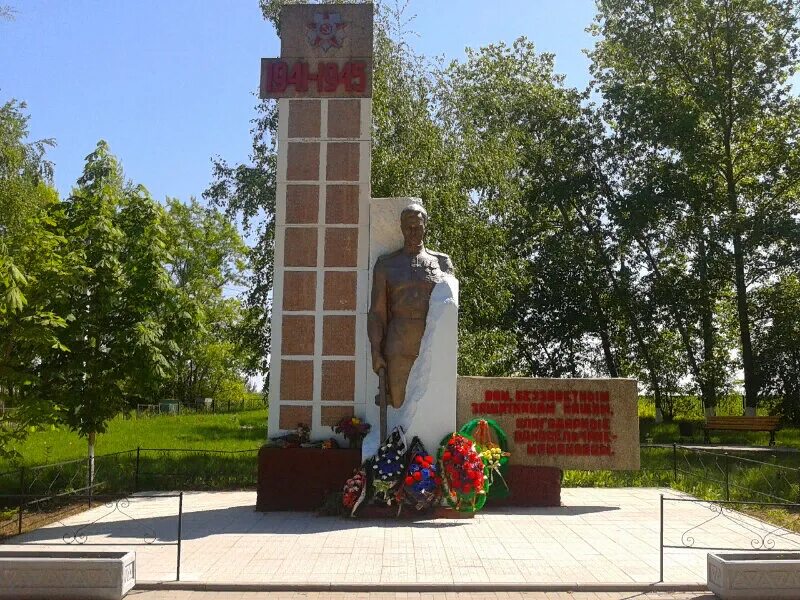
<point x="235" y="438"/>
<point x="225" y="431"/>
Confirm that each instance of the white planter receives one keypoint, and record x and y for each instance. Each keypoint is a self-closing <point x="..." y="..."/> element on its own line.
<point x="754" y="576"/>
<point x="66" y="575"/>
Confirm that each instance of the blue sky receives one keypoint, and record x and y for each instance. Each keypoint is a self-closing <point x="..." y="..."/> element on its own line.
<point x="171" y="83"/>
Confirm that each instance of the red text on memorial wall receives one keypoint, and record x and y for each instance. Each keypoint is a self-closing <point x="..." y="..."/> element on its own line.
<point x="281" y="77"/>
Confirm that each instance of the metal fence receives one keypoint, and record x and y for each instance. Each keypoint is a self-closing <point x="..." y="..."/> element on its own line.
<point x="179" y="468"/>
<point x="737" y="477"/>
<point x="133" y="470"/>
<point x="709" y="473"/>
<point x="755" y="535"/>
<point x="114" y="516"/>
<point x="176" y="408"/>
<point x="111" y="471"/>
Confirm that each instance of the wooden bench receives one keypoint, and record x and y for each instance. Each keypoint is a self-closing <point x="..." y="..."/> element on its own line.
<point x="770" y="424"/>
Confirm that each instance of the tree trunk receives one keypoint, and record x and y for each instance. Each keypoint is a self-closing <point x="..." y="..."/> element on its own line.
<point x="608" y="353"/>
<point x="605" y="337"/>
<point x="90" y="476"/>
<point x="657" y="399"/>
<point x="748" y="360"/>
<point x="679" y="322"/>
<point x="708" y="387"/>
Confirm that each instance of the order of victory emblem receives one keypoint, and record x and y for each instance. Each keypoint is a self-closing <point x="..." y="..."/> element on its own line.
<point x="326" y="31"/>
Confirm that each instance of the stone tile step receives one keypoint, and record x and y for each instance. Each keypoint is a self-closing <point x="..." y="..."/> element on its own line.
<point x="422" y="587"/>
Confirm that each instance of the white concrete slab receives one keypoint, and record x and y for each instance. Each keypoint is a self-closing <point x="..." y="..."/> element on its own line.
<point x="598" y="536"/>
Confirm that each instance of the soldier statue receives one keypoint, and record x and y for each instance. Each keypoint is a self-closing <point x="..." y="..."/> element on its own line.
<point x="402" y="283"/>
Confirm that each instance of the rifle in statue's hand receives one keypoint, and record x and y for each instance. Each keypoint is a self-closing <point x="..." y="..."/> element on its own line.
<point x="382" y="399"/>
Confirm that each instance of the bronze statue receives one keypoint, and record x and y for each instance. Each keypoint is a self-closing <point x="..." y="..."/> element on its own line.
<point x="402" y="283"/>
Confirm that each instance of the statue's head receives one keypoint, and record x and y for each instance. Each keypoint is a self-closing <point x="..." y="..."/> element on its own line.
<point x="413" y="222"/>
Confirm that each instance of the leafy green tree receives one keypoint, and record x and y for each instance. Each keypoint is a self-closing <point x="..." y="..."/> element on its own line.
<point x="420" y="150"/>
<point x="704" y="85"/>
<point x="149" y="302"/>
<point x="778" y="343"/>
<point x="207" y="257"/>
<point x="114" y="306"/>
<point x="412" y="155"/>
<point x="33" y="263"/>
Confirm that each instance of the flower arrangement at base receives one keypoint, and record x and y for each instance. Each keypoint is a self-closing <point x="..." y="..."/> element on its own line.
<point x="388" y="467"/>
<point x="492" y="445"/>
<point x="354" y="491"/>
<point x="463" y="473"/>
<point x="353" y="429"/>
<point x="294" y="439"/>
<point x="422" y="483"/>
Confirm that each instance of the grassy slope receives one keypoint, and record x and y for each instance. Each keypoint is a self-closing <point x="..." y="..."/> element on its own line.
<point x="227" y="431"/>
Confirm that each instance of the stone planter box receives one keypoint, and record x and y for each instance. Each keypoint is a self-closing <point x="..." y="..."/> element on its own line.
<point x="755" y="575"/>
<point x="44" y="574"/>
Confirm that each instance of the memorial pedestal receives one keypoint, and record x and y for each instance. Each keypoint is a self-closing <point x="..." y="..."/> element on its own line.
<point x="530" y="486"/>
<point x="300" y="478"/>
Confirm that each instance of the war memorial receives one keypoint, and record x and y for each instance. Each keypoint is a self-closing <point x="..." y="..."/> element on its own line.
<point x="430" y="480"/>
<point x="365" y="315"/>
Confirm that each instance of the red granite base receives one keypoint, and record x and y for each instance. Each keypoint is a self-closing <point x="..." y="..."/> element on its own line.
<point x="300" y="478"/>
<point x="531" y="486"/>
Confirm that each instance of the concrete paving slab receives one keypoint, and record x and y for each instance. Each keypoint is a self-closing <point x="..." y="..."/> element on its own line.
<point x="599" y="537"/>
<point x="197" y="595"/>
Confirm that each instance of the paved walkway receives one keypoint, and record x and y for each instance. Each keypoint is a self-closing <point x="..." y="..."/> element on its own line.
<point x="178" y="595"/>
<point x="598" y="536"/>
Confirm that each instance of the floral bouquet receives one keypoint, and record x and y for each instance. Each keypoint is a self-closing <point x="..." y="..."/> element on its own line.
<point x="422" y="484"/>
<point x="353" y="429"/>
<point x="354" y="491"/>
<point x="463" y="470"/>
<point x="388" y="467"/>
<point x="492" y="444"/>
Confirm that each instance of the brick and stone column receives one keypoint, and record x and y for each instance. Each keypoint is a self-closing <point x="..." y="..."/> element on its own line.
<point x="318" y="356"/>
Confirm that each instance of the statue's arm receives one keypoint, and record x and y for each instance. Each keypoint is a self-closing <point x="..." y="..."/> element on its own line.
<point x="378" y="317"/>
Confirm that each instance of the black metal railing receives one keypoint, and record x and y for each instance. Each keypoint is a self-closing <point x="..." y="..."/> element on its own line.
<point x="69" y="476"/>
<point x="736" y="477"/>
<point x="756" y="535"/>
<point x="134" y="470"/>
<point x="707" y="473"/>
<point x="180" y="468"/>
<point x="46" y="519"/>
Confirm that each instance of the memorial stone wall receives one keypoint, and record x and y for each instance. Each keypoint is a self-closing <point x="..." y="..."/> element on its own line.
<point x="323" y="83"/>
<point x="563" y="423"/>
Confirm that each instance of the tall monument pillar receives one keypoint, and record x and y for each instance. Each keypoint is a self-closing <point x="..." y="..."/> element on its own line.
<point x="323" y="83"/>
